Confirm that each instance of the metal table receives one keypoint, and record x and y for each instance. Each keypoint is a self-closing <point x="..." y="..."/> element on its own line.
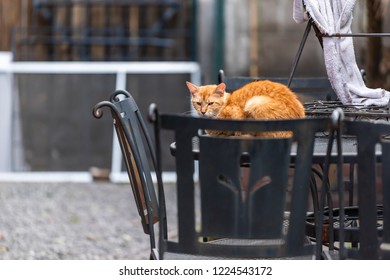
<point x="349" y="149"/>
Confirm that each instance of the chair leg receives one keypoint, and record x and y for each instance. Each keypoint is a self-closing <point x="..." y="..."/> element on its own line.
<point x="351" y="184"/>
<point x="299" y="52"/>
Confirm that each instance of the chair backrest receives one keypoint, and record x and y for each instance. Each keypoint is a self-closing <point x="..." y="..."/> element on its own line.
<point x="373" y="191"/>
<point x="307" y="89"/>
<point x="139" y="156"/>
<point x="243" y="181"/>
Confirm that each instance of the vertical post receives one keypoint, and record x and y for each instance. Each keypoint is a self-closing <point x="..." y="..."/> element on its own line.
<point x="373" y="52"/>
<point x="219" y="37"/>
<point x="116" y="159"/>
<point x="194" y="31"/>
<point x="6" y="82"/>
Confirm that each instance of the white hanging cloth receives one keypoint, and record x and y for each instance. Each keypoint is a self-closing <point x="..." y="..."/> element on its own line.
<point x="335" y="17"/>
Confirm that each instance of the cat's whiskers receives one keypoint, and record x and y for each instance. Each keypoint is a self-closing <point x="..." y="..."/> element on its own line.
<point x="191" y="113"/>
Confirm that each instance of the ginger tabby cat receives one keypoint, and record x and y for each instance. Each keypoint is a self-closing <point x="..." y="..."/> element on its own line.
<point x="261" y="100"/>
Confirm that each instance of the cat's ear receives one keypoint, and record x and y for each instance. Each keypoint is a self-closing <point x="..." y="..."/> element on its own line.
<point x="194" y="89"/>
<point x="220" y="89"/>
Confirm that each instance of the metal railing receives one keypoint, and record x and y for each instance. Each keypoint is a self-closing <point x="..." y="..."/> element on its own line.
<point x="107" y="30"/>
<point x="119" y="69"/>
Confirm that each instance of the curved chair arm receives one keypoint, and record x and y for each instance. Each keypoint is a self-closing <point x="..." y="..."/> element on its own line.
<point x="114" y="97"/>
<point x="97" y="109"/>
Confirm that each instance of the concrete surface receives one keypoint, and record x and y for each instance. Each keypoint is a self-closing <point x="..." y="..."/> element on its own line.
<point x="71" y="221"/>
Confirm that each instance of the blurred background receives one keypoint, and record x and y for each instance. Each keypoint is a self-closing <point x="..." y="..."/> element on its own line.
<point x="46" y="120"/>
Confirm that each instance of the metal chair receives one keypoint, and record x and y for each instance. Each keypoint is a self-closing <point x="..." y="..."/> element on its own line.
<point x="307" y="89"/>
<point x="244" y="205"/>
<point x="367" y="224"/>
<point x="137" y="146"/>
<point x="310" y="89"/>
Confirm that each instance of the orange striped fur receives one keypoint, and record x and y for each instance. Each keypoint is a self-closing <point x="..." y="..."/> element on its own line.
<point x="261" y="100"/>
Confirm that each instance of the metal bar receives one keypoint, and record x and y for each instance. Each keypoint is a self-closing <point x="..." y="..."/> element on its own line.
<point x="100" y="67"/>
<point x="356" y="35"/>
<point x="298" y="55"/>
<point x="6" y="124"/>
<point x="219" y="35"/>
<point x="194" y="31"/>
<point x="116" y="159"/>
<point x="118" y="68"/>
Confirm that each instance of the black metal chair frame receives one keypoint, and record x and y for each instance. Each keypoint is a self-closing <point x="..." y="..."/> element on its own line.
<point x="366" y="225"/>
<point x="185" y="128"/>
<point x="347" y="232"/>
<point x="318" y="87"/>
<point x="137" y="146"/>
<point x="312" y="87"/>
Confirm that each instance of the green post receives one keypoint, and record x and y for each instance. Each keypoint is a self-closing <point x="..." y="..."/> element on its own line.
<point x="219" y="36"/>
<point x="194" y="31"/>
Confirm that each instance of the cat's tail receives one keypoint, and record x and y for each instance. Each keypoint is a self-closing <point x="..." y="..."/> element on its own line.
<point x="265" y="107"/>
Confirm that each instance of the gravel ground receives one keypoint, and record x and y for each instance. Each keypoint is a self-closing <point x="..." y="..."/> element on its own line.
<point x="70" y="221"/>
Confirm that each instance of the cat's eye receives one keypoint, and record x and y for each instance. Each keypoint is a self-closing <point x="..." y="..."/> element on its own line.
<point x="210" y="103"/>
<point x="199" y="103"/>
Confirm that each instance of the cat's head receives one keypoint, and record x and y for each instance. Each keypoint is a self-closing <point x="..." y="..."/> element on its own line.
<point x="207" y="100"/>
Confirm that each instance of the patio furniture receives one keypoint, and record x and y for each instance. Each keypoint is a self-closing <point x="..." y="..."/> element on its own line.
<point x="332" y="22"/>
<point x="367" y="224"/>
<point x="137" y="149"/>
<point x="324" y="108"/>
<point x="311" y="90"/>
<point x="307" y="88"/>
<point x="356" y="113"/>
<point x="247" y="208"/>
